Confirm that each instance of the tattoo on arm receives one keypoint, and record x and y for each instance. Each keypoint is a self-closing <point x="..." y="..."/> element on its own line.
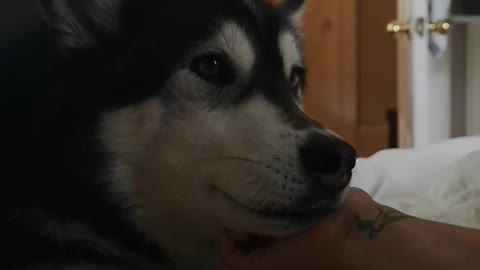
<point x="376" y="226"/>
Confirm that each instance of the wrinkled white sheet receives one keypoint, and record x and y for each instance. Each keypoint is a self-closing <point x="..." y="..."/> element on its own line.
<point x="439" y="182"/>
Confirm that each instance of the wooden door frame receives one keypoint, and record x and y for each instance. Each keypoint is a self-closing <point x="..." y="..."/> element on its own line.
<point x="404" y="88"/>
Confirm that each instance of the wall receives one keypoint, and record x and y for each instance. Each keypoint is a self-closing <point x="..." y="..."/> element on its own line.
<point x="473" y="80"/>
<point x="440" y="98"/>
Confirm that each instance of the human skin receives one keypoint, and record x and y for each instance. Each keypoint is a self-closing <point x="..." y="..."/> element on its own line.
<point x="363" y="235"/>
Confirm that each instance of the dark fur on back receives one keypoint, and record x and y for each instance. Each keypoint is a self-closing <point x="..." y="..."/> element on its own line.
<point x="57" y="204"/>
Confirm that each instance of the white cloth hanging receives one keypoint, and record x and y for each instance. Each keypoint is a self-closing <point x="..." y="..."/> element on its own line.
<point x="440" y="10"/>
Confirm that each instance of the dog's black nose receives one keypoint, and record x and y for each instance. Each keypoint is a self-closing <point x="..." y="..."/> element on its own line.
<point x="327" y="157"/>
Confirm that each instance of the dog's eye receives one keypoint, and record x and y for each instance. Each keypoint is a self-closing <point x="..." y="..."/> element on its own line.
<point x="297" y="78"/>
<point x="213" y="68"/>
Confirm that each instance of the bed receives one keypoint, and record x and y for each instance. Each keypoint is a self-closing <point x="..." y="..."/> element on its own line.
<point x="439" y="182"/>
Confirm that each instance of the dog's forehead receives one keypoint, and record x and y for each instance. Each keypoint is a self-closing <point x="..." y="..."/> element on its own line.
<point x="192" y="21"/>
<point x="253" y="33"/>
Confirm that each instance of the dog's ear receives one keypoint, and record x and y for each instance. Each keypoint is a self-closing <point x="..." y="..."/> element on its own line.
<point x="82" y="23"/>
<point x="294" y="10"/>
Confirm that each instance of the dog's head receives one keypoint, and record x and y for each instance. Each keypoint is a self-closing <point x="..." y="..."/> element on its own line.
<point x="201" y="112"/>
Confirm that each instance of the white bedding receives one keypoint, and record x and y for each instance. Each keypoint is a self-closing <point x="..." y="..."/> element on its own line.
<point x="440" y="182"/>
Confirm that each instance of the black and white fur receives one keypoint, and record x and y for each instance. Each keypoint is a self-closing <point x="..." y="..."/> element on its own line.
<point x="160" y="124"/>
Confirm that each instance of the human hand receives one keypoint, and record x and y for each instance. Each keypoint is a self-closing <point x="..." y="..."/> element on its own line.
<point x="321" y="247"/>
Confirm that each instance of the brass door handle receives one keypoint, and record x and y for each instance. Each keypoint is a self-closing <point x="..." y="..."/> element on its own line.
<point x="398" y="27"/>
<point x="441" y="27"/>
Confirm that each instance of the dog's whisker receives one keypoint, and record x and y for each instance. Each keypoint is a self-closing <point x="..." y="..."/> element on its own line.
<point x="255" y="190"/>
<point x="275" y="207"/>
<point x="200" y="184"/>
<point x="232" y="158"/>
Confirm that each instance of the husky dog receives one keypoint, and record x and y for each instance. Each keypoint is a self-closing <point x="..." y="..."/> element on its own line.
<point x="161" y="124"/>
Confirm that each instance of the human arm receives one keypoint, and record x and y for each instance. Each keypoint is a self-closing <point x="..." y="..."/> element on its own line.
<point x="363" y="234"/>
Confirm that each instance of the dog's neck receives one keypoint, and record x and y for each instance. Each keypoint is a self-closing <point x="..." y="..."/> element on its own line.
<point x="187" y="246"/>
<point x="187" y="252"/>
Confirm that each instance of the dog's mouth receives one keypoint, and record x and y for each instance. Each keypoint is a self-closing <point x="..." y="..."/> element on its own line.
<point x="247" y="242"/>
<point x="299" y="215"/>
<point x="297" y="218"/>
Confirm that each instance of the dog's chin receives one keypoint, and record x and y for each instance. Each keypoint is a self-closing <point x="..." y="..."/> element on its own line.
<point x="263" y="227"/>
<point x="279" y="222"/>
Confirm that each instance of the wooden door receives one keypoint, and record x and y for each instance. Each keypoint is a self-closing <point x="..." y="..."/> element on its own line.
<point x="330" y="49"/>
<point x="352" y="70"/>
<point x="377" y="77"/>
<point x="351" y="65"/>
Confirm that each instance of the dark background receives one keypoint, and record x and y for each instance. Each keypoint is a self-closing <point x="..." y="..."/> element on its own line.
<point x="25" y="43"/>
<point x="471" y="6"/>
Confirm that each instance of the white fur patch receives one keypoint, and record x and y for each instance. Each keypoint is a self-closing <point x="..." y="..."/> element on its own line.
<point x="127" y="134"/>
<point x="290" y="51"/>
<point x="233" y="40"/>
<point x="296" y="18"/>
<point x="167" y="170"/>
<point x="129" y="131"/>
